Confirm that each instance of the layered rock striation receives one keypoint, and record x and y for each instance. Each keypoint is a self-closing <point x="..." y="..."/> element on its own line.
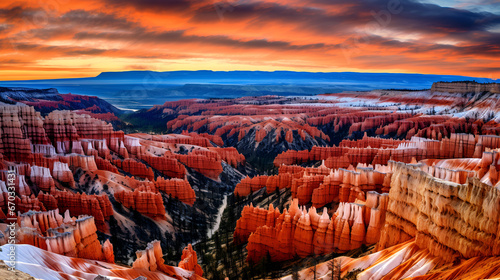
<point x="451" y="220"/>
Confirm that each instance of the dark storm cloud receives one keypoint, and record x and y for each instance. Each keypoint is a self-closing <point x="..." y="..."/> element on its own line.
<point x="420" y="17"/>
<point x="154" y="5"/>
<point x="71" y="22"/>
<point x="487" y="70"/>
<point x="84" y="18"/>
<point x="472" y="48"/>
<point x="17" y="14"/>
<point x="60" y="50"/>
<point x="179" y="36"/>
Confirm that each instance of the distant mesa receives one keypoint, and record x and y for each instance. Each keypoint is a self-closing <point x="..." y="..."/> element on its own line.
<point x="465" y="87"/>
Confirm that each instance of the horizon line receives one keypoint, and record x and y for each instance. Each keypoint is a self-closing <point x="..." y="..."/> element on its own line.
<point x="265" y="71"/>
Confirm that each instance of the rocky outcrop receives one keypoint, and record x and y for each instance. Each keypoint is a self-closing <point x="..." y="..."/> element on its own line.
<point x="189" y="261"/>
<point x="177" y="188"/>
<point x="104" y="164"/>
<point x="167" y="166"/>
<point x="96" y="147"/>
<point x="322" y="185"/>
<point x="230" y="155"/>
<point x="84" y="162"/>
<point x="78" y="204"/>
<point x="42" y="178"/>
<point x="74" y="237"/>
<point x="23" y="201"/>
<point x="280" y="181"/>
<point x="304" y="233"/>
<point x="135" y="168"/>
<point x="456" y="146"/>
<point x="465" y="87"/>
<point x="151" y="259"/>
<point x="14" y="145"/>
<point x="145" y="200"/>
<point x="439" y="215"/>
<point x="249" y="185"/>
<point x="62" y="173"/>
<point x="206" y="165"/>
<point x="346" y="186"/>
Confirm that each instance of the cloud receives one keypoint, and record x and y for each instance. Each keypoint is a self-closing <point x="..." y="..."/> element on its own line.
<point x="180" y="36"/>
<point x="153" y="5"/>
<point x="422" y="37"/>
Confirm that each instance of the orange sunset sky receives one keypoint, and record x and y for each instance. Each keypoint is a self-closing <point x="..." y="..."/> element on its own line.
<point x="63" y="38"/>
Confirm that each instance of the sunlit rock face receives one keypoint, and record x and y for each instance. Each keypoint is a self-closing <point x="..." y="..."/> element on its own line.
<point x="305" y="233"/>
<point x="258" y="127"/>
<point x="249" y="185"/>
<point x="177" y="188"/>
<point x="442" y="216"/>
<point x="465" y="87"/>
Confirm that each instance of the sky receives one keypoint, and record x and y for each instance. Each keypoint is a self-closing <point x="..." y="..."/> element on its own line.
<point x="45" y="39"/>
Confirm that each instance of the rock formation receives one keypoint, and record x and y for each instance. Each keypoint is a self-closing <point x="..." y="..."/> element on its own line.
<point x="151" y="259"/>
<point x="189" y="261"/>
<point x="135" y="168"/>
<point x="78" y="204"/>
<point x="145" y="200"/>
<point x="465" y="87"/>
<point x="300" y="232"/>
<point x="208" y="166"/>
<point x="62" y="173"/>
<point x="249" y="185"/>
<point x="416" y="201"/>
<point x="167" y="166"/>
<point x="74" y="237"/>
<point x="177" y="188"/>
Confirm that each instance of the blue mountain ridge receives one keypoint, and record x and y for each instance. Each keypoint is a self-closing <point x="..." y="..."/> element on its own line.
<point x="143" y="89"/>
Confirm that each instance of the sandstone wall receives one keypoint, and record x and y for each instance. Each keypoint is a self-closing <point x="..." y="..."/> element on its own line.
<point x="465" y="87"/>
<point x="451" y="220"/>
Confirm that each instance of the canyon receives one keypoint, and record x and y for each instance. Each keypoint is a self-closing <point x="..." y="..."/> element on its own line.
<point x="384" y="184"/>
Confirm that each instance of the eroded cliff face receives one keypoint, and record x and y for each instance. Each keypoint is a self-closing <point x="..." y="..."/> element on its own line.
<point x="452" y="221"/>
<point x="433" y="229"/>
<point x="465" y="87"/>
